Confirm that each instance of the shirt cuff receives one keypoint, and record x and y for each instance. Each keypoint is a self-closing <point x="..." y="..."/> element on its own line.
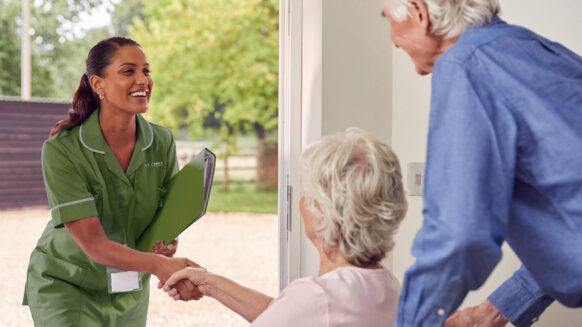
<point x="520" y="299"/>
<point x="74" y="210"/>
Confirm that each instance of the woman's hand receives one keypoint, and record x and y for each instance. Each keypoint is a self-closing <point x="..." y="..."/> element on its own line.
<point x="166" y="250"/>
<point x="196" y="276"/>
<point x="187" y="291"/>
<point x="245" y="301"/>
<point x="184" y="290"/>
<point x="168" y="266"/>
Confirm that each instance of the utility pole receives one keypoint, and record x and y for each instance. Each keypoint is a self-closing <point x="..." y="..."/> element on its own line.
<point x="25" y="70"/>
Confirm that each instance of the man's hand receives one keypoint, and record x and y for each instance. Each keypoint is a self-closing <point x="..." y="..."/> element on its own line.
<point x="483" y="315"/>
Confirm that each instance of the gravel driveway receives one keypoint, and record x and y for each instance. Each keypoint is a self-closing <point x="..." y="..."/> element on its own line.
<point x="240" y="246"/>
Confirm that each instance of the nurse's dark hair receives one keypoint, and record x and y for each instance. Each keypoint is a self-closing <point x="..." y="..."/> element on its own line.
<point x="86" y="100"/>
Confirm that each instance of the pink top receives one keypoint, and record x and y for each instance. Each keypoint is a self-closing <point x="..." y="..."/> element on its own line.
<point x="346" y="296"/>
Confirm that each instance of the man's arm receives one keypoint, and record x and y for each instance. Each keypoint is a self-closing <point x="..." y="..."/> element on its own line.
<point x="520" y="299"/>
<point x="468" y="191"/>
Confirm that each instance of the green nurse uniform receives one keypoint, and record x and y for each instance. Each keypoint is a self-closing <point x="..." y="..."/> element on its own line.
<point x="84" y="179"/>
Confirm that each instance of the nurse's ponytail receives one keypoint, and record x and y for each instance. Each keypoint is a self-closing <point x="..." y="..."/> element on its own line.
<point x="86" y="100"/>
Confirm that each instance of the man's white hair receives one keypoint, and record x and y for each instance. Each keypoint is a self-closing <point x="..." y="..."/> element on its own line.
<point x="449" y="17"/>
<point x="353" y="187"/>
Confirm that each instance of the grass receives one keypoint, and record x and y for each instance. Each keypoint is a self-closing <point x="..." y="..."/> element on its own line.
<point x="242" y="197"/>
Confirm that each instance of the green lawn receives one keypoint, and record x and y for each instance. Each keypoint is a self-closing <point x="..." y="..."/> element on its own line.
<point x="242" y="197"/>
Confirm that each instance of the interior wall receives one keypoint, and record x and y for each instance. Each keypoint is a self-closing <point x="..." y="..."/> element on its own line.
<point x="346" y="77"/>
<point x="557" y="20"/>
<point x="357" y="83"/>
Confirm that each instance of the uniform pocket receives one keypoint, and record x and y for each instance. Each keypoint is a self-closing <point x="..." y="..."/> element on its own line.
<point x="51" y="267"/>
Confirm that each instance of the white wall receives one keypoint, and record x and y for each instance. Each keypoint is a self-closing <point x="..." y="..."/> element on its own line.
<point x="357" y="83"/>
<point x="345" y="76"/>
<point x="558" y="20"/>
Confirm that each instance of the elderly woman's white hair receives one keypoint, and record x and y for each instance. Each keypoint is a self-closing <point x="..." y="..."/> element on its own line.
<point x="449" y="17"/>
<point x="353" y="185"/>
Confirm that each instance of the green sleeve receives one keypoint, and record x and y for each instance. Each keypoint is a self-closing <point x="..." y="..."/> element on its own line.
<point x="67" y="192"/>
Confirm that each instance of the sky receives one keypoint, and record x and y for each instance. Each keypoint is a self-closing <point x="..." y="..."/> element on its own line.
<point x="98" y="17"/>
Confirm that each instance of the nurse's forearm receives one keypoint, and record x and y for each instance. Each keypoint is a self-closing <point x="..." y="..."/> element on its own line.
<point x="245" y="301"/>
<point x="90" y="236"/>
<point x="115" y="255"/>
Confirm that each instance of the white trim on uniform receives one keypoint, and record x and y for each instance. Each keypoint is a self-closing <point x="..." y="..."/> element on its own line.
<point x="152" y="139"/>
<point x="85" y="145"/>
<point x="71" y="203"/>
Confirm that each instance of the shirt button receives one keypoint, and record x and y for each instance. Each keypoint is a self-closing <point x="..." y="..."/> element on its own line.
<point x="534" y="319"/>
<point x="441" y="312"/>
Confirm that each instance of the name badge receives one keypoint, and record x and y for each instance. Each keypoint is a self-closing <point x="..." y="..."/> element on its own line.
<point x="120" y="281"/>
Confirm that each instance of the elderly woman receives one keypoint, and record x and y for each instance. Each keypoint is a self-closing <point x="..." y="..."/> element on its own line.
<point x="504" y="163"/>
<point x="352" y="203"/>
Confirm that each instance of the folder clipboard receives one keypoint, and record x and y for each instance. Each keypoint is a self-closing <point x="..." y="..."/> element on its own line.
<point x="184" y="203"/>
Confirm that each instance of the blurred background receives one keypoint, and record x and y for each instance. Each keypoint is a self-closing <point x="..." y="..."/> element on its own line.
<point x="215" y="70"/>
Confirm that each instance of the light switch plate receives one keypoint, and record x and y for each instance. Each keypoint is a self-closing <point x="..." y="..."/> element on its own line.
<point x="415" y="178"/>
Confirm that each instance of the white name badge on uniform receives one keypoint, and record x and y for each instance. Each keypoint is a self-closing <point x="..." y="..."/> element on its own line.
<point x="123" y="281"/>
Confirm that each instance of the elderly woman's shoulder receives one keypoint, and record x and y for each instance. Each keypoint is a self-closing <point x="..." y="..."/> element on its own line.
<point x="302" y="303"/>
<point x="362" y="280"/>
<point x="349" y="296"/>
<point x="344" y="283"/>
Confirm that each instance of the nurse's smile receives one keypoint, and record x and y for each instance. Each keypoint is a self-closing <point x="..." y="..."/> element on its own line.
<point x="127" y="83"/>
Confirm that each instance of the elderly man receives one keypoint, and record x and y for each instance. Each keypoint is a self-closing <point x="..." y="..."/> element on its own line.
<point x="504" y="162"/>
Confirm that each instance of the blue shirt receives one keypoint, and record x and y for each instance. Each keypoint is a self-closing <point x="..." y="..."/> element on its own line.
<point x="504" y="163"/>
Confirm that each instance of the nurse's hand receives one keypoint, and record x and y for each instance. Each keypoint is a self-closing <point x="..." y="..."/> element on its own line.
<point x="194" y="276"/>
<point x="166" y="250"/>
<point x="186" y="289"/>
<point x="166" y="266"/>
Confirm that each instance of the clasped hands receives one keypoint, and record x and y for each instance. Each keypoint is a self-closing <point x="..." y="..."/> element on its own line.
<point x="183" y="289"/>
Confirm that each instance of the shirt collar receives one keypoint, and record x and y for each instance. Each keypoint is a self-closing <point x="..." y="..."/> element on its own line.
<point x="92" y="138"/>
<point x="495" y="20"/>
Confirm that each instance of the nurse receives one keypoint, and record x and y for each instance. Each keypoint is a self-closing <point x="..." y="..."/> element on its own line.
<point x="105" y="169"/>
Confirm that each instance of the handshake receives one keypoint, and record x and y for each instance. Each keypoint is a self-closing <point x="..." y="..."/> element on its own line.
<point x="172" y="273"/>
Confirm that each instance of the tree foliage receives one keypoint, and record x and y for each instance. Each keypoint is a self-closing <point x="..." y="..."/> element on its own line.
<point x="9" y="49"/>
<point x="124" y="14"/>
<point x="212" y="59"/>
<point x="58" y="54"/>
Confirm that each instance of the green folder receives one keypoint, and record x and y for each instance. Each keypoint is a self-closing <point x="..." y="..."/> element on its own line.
<point x="185" y="201"/>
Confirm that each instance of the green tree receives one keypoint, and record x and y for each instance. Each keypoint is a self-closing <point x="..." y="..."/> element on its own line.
<point x="124" y="14"/>
<point x="58" y="47"/>
<point x="9" y="49"/>
<point x="212" y="59"/>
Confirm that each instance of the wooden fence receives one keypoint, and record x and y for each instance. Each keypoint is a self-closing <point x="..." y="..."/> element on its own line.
<point x="24" y="125"/>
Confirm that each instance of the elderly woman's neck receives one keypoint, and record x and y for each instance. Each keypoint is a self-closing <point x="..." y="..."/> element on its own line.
<point x="333" y="260"/>
<point x="327" y="264"/>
